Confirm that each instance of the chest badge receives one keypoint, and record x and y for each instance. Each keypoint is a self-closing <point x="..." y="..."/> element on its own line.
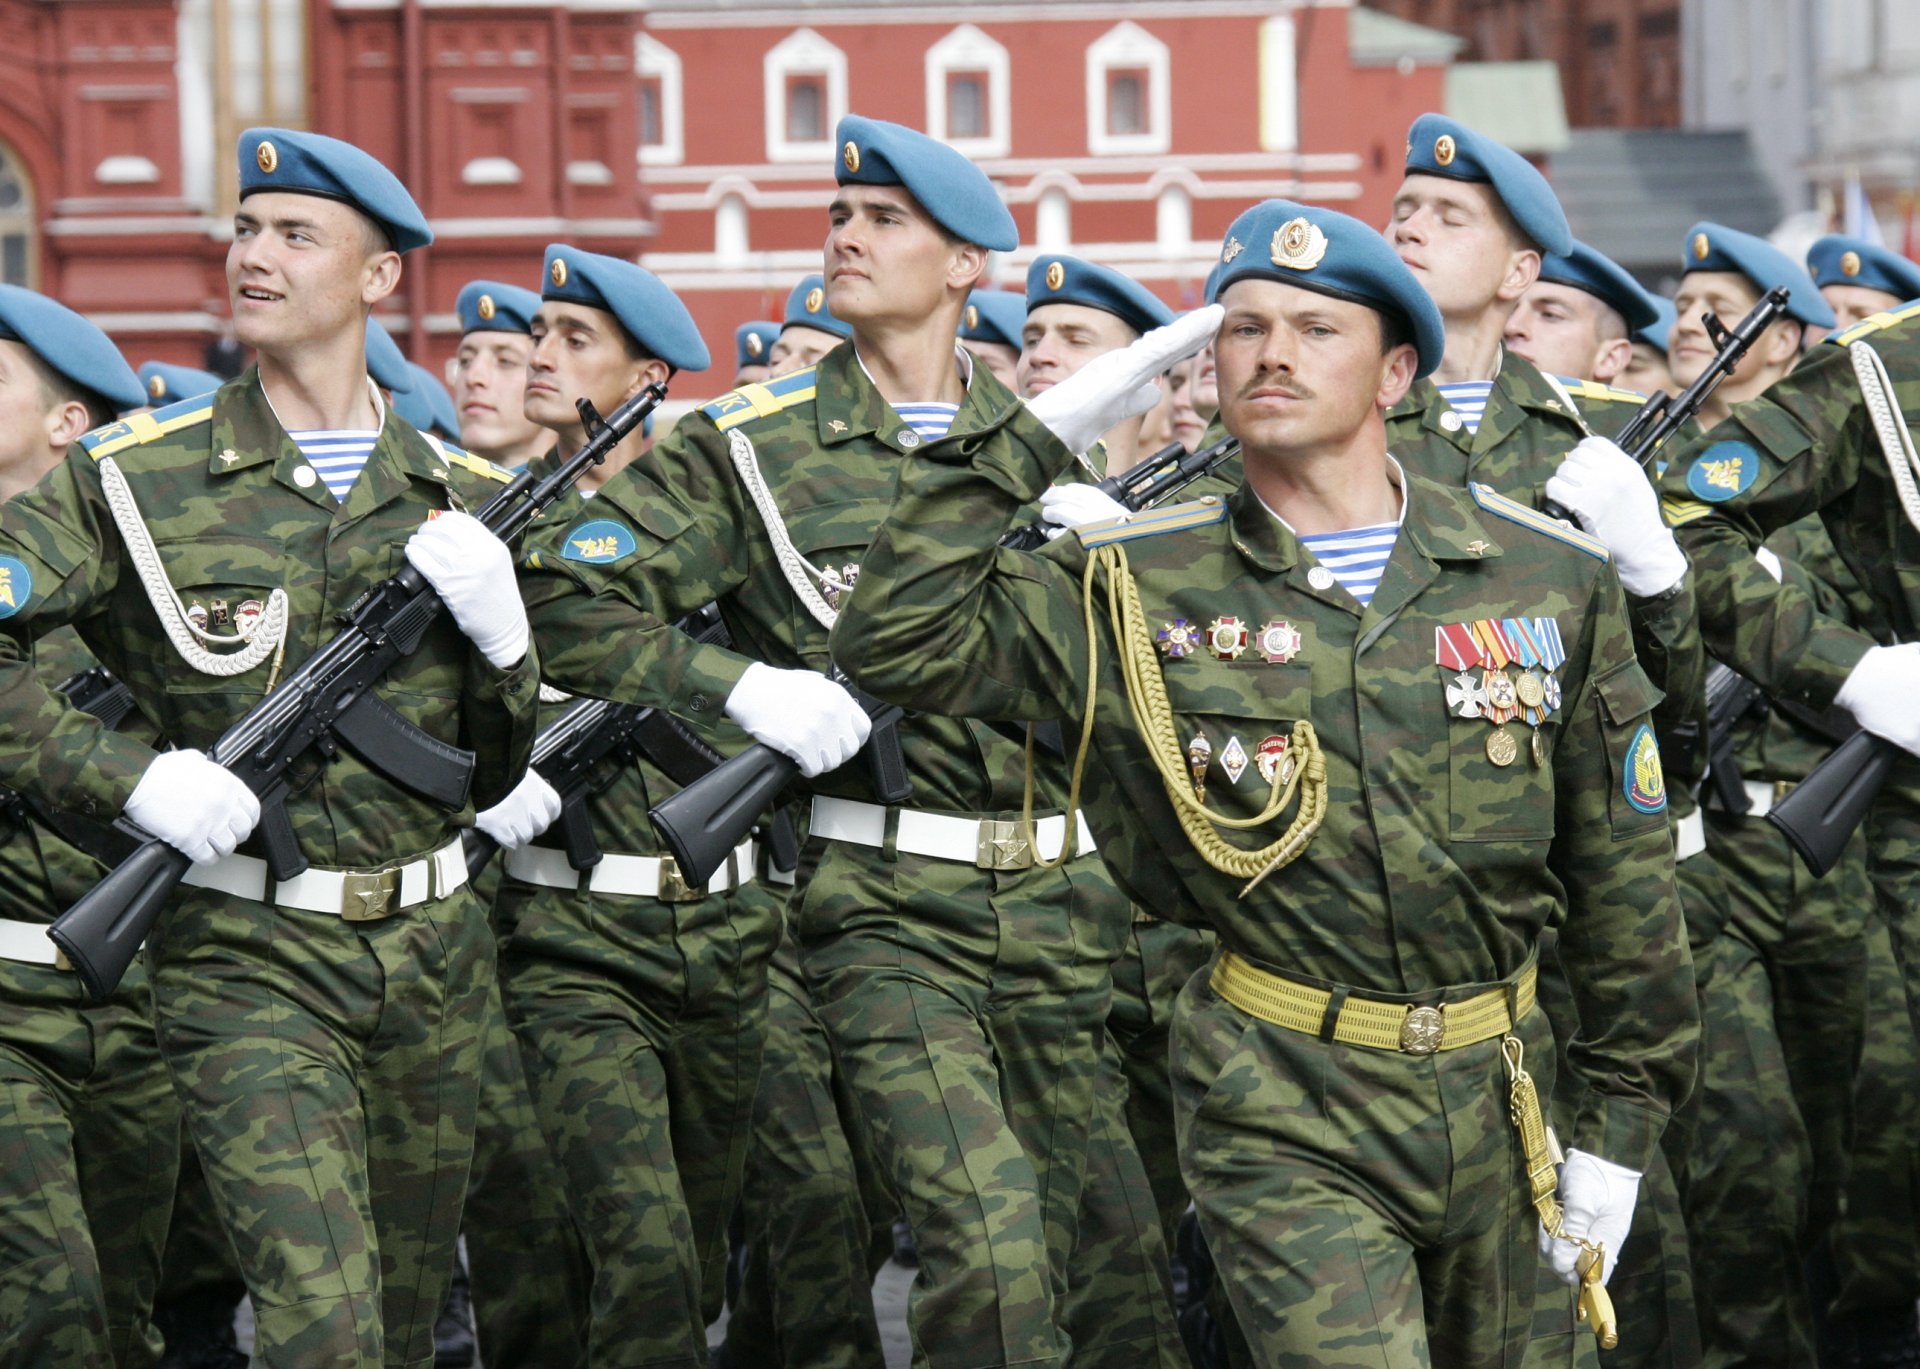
<point x="837" y="585"/>
<point x="1275" y="765"/>
<point x="1279" y="641"/>
<point x="1199" y="753"/>
<point x="1226" y="638"/>
<point x="1233" y="760"/>
<point x="1178" y="638"/>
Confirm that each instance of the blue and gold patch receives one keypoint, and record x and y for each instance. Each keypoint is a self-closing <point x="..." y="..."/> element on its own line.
<point x="1641" y="779"/>
<point x="16" y="585"/>
<point x="599" y="543"/>
<point x="1723" y="471"/>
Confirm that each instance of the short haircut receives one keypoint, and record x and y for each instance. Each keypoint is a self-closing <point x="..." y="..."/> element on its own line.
<point x="57" y="390"/>
<point x="1395" y="330"/>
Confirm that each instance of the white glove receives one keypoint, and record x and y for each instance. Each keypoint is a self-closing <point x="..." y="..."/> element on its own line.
<point x="1075" y="506"/>
<point x="524" y="814"/>
<point x="195" y="805"/>
<point x="1596" y="1200"/>
<point x="1120" y="385"/>
<point x="800" y="714"/>
<point x="473" y="572"/>
<point x="1607" y="491"/>
<point x="1881" y="691"/>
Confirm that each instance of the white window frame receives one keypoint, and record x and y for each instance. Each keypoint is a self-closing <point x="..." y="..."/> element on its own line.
<point x="653" y="59"/>
<point x="803" y="53"/>
<point x="1127" y="46"/>
<point x="968" y="49"/>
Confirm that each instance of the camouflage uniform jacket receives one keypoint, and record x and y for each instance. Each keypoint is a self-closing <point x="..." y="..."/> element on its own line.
<point x="1435" y="867"/>
<point x="218" y="482"/>
<point x="676" y="529"/>
<point x="1805" y="447"/>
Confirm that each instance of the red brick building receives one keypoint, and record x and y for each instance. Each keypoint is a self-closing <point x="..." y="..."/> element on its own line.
<point x="693" y="134"/>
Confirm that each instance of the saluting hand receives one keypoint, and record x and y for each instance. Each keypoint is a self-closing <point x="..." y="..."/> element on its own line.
<point x="1120" y="385"/>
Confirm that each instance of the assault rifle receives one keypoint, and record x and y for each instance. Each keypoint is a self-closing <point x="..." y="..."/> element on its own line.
<point x="327" y="703"/>
<point x="94" y="690"/>
<point x="1730" y="696"/>
<point x="707" y="819"/>
<point x="1662" y="416"/>
<point x="1819" y="815"/>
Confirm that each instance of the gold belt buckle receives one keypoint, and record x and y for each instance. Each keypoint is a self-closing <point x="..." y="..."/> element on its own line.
<point x="674" y="888"/>
<point x="370" y="896"/>
<point x="1423" y="1031"/>
<point x="1781" y="788"/>
<point x="1001" y="847"/>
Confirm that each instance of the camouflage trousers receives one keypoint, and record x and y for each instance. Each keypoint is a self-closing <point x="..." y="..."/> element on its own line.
<point x="818" y="1216"/>
<point x="1782" y="1022"/>
<point x="327" y="1072"/>
<point x="525" y="1261"/>
<point x="89" y="1138"/>
<point x="1364" y="1207"/>
<point x="1130" y="1188"/>
<point x="1893" y="844"/>
<point x="966" y="1009"/>
<point x="640" y="1025"/>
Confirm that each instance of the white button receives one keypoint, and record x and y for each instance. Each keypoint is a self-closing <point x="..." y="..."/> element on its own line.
<point x="305" y="477"/>
<point x="1320" y="578"/>
<point x="1451" y="421"/>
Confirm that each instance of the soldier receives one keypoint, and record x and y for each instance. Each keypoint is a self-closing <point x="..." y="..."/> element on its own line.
<point x="89" y="1130"/>
<point x="427" y="405"/>
<point x="1647" y="370"/>
<point x="1347" y="1142"/>
<point x="963" y="988"/>
<point x="1189" y="424"/>
<point x="990" y="329"/>
<point x="1859" y="279"/>
<point x="809" y="331"/>
<point x="490" y="373"/>
<point x="639" y="1002"/>
<point x="321" y="1032"/>
<point x="751" y="344"/>
<point x="1575" y="320"/>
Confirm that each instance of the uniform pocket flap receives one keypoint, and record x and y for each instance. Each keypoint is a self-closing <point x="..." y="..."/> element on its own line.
<point x="1626" y="693"/>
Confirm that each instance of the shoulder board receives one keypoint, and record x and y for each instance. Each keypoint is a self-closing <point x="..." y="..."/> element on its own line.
<point x="1502" y="507"/>
<point x="1875" y="323"/>
<point x="758" y="401"/>
<point x="1594" y="389"/>
<point x="1174" y="518"/>
<point x="467" y="461"/>
<point x="137" y="430"/>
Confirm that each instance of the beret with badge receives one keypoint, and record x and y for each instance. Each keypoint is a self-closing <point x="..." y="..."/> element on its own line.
<point x="807" y="308"/>
<point x="650" y="313"/>
<point x="1439" y="146"/>
<point x="491" y="306"/>
<point x="955" y="193"/>
<point x="994" y="316"/>
<point x="296" y="163"/>
<point x="1054" y="279"/>
<point x="69" y="346"/>
<point x="1839" y="260"/>
<point x="1586" y="269"/>
<point x="1715" y="247"/>
<point x="167" y="384"/>
<point x="752" y="341"/>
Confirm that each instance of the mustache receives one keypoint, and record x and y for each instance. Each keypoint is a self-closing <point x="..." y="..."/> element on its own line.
<point x="1291" y="389"/>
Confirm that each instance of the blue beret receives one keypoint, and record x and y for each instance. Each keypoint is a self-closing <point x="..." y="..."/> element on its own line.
<point x="385" y="362"/>
<point x="1437" y="146"/>
<point x="1837" y="260"/>
<point x="311" y="164"/>
<point x="69" y="346"/>
<point x="488" y="306"/>
<point x="752" y="341"/>
<point x="994" y="316"/>
<point x="1585" y="269"/>
<point x="428" y="405"/>
<point x="1714" y="247"/>
<point x="1327" y="252"/>
<point x="953" y="191"/>
<point x="169" y="384"/>
<point x="807" y="306"/>
<point x="1068" y="280"/>
<point x="1656" y="334"/>
<point x="652" y="314"/>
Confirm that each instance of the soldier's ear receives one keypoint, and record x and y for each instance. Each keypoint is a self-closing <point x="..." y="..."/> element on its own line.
<point x="1523" y="269"/>
<point x="1396" y="376"/>
<point x="66" y="421"/>
<point x="381" y="277"/>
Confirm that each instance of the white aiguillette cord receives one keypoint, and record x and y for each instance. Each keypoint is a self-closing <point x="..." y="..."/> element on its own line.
<point x="800" y="572"/>
<point x="1888" y="425"/>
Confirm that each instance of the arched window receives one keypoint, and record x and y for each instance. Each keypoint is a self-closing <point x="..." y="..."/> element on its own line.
<point x="968" y="103"/>
<point x="1129" y="103"/>
<point x="19" y="257"/>
<point x="805" y="81"/>
<point x="657" y="68"/>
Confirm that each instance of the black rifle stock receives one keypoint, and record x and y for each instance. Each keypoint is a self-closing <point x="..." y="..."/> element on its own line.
<point x="1663" y="416"/>
<point x="328" y="701"/>
<point x="1165" y="473"/>
<point x="1819" y="815"/>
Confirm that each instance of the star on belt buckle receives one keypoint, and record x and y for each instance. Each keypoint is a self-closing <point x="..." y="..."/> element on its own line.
<point x="1001" y="847"/>
<point x="369" y="897"/>
<point x="1423" y="1031"/>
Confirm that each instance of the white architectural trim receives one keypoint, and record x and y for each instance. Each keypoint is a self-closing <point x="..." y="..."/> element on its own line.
<point x="803" y="53"/>
<point x="1073" y="191"/>
<point x="1278" y="163"/>
<point x="1173" y="221"/>
<point x="653" y="58"/>
<point x="968" y="49"/>
<point x="126" y="169"/>
<point x="490" y="171"/>
<point x="1053" y="220"/>
<point x="979" y="12"/>
<point x="1279" y="86"/>
<point x="1125" y="46"/>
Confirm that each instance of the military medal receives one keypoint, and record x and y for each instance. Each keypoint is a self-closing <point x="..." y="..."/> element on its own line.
<point x="1553" y="655"/>
<point x="1233" y="760"/>
<point x="1199" y="752"/>
<point x="833" y="586"/>
<point x="1530" y="689"/>
<point x="1226" y="638"/>
<point x="1550" y="694"/>
<point x="1503" y="704"/>
<point x="1502" y="749"/>
<point x="1540" y="748"/>
<point x="1279" y="641"/>
<point x="1271" y="758"/>
<point x="247" y="617"/>
<point x="1178" y="638"/>
<point x="219" y="614"/>
<point x="1466" y="696"/>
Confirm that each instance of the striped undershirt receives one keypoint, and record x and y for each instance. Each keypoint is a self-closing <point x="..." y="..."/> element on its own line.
<point x="1468" y="398"/>
<point x="336" y="454"/>
<point x="931" y="420"/>
<point x="1357" y="557"/>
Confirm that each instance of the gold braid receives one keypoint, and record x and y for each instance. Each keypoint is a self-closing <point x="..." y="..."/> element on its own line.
<point x="1153" y="715"/>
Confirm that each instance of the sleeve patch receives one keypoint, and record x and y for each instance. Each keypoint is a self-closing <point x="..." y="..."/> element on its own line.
<point x="16" y="585"/>
<point x="1642" y="782"/>
<point x="1724" y="471"/>
<point x="599" y="543"/>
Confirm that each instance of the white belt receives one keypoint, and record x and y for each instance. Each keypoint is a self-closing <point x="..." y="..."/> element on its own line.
<point x="988" y="843"/>
<point x="634" y="876"/>
<point x="29" y="942"/>
<point x="356" y="895"/>
<point x="1690" y="838"/>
